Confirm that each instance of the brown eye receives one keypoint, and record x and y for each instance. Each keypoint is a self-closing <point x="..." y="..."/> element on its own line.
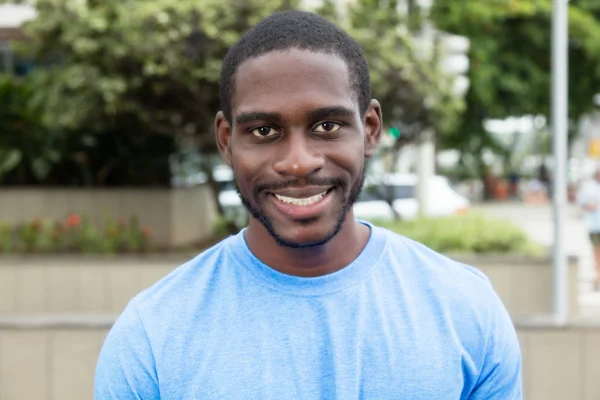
<point x="327" y="127"/>
<point x="264" y="131"/>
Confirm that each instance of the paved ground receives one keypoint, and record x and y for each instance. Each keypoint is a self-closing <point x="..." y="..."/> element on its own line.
<point x="537" y="221"/>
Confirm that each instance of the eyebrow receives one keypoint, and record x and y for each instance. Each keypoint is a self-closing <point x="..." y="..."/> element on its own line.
<point x="328" y="112"/>
<point x="320" y="113"/>
<point x="248" y="117"/>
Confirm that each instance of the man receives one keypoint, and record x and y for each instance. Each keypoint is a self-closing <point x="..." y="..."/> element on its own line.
<point x="306" y="302"/>
<point x="588" y="198"/>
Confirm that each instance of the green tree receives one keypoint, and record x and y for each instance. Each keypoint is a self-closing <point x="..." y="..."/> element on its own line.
<point x="407" y="81"/>
<point x="141" y="76"/>
<point x="158" y="61"/>
<point x="510" y="64"/>
<point x="415" y="96"/>
<point x="150" y="69"/>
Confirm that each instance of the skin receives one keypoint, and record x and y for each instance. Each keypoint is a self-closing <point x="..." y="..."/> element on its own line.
<point x="297" y="130"/>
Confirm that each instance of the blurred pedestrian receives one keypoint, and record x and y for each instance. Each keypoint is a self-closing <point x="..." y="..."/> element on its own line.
<point x="545" y="178"/>
<point x="514" y="179"/>
<point x="588" y="198"/>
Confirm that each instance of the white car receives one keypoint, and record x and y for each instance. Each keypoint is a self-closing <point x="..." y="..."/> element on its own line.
<point x="442" y="199"/>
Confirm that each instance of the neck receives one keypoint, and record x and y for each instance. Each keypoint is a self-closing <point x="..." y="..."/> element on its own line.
<point x="334" y="255"/>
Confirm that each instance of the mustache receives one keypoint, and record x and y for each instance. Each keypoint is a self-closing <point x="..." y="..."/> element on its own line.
<point x="271" y="186"/>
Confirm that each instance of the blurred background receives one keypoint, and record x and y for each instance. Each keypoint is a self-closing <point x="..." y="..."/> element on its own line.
<point x="110" y="178"/>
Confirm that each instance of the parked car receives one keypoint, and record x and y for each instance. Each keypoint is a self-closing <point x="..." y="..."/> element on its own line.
<point x="442" y="199"/>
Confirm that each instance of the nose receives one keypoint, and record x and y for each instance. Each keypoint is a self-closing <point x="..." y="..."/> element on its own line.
<point x="299" y="156"/>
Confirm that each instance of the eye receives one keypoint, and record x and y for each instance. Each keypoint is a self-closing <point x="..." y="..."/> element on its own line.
<point x="264" y="131"/>
<point x="327" y="127"/>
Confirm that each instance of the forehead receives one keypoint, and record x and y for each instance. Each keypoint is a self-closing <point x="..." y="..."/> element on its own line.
<point x="284" y="81"/>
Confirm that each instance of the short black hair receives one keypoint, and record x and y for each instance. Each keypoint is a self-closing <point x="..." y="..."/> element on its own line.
<point x="296" y="30"/>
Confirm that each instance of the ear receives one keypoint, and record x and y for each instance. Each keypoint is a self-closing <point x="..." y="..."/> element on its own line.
<point x="223" y="136"/>
<point x="372" y="122"/>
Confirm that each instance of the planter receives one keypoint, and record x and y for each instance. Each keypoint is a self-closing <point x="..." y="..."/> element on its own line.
<point x="60" y="284"/>
<point x="55" y="313"/>
<point x="525" y="283"/>
<point x="59" y="354"/>
<point x="93" y="284"/>
<point x="178" y="217"/>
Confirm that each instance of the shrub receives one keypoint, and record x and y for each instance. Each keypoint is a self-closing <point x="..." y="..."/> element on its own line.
<point x="74" y="235"/>
<point x="123" y="153"/>
<point x="470" y="233"/>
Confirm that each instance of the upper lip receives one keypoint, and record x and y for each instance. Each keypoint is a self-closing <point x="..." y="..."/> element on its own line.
<point x="302" y="192"/>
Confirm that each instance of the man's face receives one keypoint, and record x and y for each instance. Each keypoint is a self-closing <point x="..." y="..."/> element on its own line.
<point x="298" y="144"/>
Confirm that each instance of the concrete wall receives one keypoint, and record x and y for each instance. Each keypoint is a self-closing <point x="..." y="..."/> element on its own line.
<point x="177" y="216"/>
<point x="560" y="363"/>
<point x="50" y="362"/>
<point x="525" y="283"/>
<point x="75" y="284"/>
<point x="55" y="359"/>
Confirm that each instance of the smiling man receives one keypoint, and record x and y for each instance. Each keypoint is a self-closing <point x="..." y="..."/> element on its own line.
<point x="307" y="302"/>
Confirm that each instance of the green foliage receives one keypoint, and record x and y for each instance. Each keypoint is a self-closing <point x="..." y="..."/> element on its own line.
<point x="510" y="63"/>
<point x="26" y="146"/>
<point x="121" y="83"/>
<point x="406" y="80"/>
<point x="466" y="234"/>
<point x="74" y="235"/>
<point x="222" y="227"/>
<point x="156" y="63"/>
<point x="34" y="153"/>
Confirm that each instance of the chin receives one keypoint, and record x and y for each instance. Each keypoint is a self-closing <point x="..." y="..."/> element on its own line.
<point x="305" y="234"/>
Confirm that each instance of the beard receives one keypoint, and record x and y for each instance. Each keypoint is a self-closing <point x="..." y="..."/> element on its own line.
<point x="257" y="212"/>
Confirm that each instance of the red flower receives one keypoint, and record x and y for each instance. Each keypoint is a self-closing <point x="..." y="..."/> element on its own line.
<point x="147" y="231"/>
<point x="73" y="220"/>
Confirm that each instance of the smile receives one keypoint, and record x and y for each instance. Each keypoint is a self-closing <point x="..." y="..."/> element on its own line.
<point x="302" y="204"/>
<point x="303" y="201"/>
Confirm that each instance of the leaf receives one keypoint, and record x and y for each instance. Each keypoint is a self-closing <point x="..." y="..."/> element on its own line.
<point x="89" y="140"/>
<point x="41" y="168"/>
<point x="52" y="155"/>
<point x="10" y="160"/>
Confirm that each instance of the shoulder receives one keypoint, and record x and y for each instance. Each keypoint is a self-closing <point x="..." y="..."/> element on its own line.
<point x="186" y="282"/>
<point x="426" y="264"/>
<point x="456" y="295"/>
<point x="460" y="301"/>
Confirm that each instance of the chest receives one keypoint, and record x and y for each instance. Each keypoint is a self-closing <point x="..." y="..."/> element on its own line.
<point x="313" y="351"/>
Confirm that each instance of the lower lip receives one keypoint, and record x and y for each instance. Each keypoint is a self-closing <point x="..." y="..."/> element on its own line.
<point x="306" y="211"/>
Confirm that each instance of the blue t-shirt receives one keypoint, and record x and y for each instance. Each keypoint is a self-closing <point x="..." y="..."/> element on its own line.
<point x="400" y="322"/>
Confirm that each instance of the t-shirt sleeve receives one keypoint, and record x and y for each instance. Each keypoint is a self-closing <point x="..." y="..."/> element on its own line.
<point x="500" y="376"/>
<point x="126" y="368"/>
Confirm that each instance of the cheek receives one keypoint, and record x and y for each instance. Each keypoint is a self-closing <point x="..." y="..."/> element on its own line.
<point x="350" y="157"/>
<point x="248" y="167"/>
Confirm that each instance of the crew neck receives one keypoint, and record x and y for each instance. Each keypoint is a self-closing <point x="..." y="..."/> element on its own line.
<point x="348" y="276"/>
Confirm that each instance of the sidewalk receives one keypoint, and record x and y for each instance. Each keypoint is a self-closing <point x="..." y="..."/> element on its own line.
<point x="537" y="221"/>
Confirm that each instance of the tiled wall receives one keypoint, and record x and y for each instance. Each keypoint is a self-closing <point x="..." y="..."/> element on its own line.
<point x="59" y="363"/>
<point x="104" y="285"/>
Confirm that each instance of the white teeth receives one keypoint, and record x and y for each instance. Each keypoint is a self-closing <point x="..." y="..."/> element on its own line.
<point x="301" y="202"/>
